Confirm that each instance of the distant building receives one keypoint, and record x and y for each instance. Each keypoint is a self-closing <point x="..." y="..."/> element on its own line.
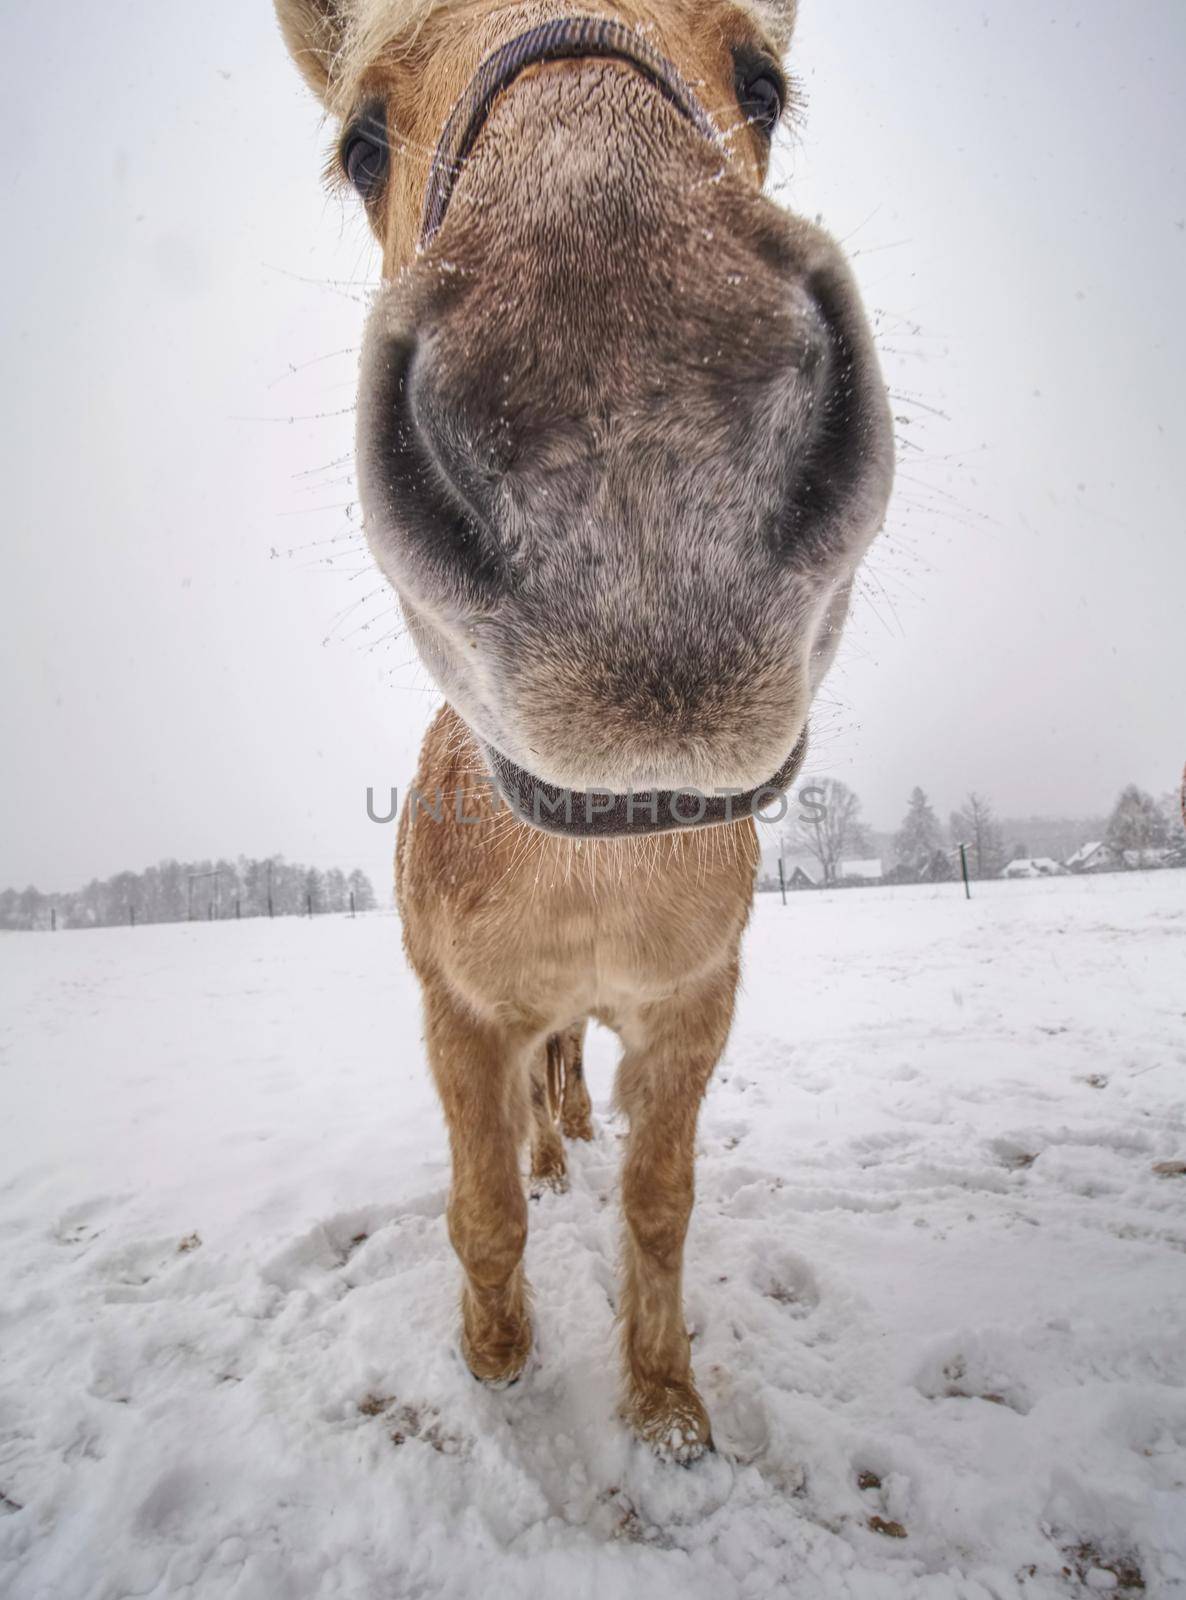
<point x="1093" y="857"/>
<point x="1033" y="867"/>
<point x="1099" y="857"/>
<point x="1134" y="860"/>
<point x="794" y="875"/>
<point x="866" y="871"/>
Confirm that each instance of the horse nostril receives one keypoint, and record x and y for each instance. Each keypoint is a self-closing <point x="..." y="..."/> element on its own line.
<point x="470" y="453"/>
<point x="827" y="462"/>
<point x="410" y="464"/>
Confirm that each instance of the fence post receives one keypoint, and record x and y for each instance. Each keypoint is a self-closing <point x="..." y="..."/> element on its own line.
<point x="964" y="869"/>
<point x="309" y="902"/>
<point x="352" y="912"/>
<point x="238" y="913"/>
<point x="782" y="881"/>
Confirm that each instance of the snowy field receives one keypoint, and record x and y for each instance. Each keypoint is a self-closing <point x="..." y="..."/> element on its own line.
<point x="936" y="1283"/>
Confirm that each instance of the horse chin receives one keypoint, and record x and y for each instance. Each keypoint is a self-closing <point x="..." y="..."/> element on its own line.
<point x="604" y="814"/>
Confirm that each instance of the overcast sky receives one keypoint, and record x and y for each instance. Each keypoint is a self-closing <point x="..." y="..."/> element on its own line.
<point x="183" y="672"/>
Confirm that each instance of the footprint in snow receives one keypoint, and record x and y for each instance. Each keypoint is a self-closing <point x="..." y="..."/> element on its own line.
<point x="787" y="1279"/>
<point x="1016" y="1157"/>
<point x="406" y="1421"/>
<point x="1103" y="1571"/>
<point x="976" y="1369"/>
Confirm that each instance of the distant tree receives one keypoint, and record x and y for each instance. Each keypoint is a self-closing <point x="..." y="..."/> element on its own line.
<point x="90" y="905"/>
<point x="315" y="889"/>
<point x="359" y="885"/>
<point x="122" y="897"/>
<point x="149" y="906"/>
<point x="171" y="891"/>
<point x="1175" y="827"/>
<point x="835" y="830"/>
<point x="229" y="887"/>
<point x="975" y="825"/>
<point x="1136" y="823"/>
<point x="919" y="836"/>
<point x="288" y="887"/>
<point x="163" y="894"/>
<point x="200" y="889"/>
<point x="30" y="905"/>
<point x="253" y="875"/>
<point x="938" y="868"/>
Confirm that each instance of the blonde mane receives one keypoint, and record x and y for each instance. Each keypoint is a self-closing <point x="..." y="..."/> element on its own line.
<point x="358" y="33"/>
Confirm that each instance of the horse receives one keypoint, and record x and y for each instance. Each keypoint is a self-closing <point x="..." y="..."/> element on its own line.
<point x="622" y="443"/>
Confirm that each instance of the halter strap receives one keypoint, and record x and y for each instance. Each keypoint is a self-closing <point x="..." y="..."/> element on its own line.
<point x="564" y="39"/>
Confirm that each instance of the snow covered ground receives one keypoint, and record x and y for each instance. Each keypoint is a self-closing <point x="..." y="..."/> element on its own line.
<point x="937" y="1286"/>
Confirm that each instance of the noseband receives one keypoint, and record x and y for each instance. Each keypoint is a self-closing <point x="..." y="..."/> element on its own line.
<point x="565" y="39"/>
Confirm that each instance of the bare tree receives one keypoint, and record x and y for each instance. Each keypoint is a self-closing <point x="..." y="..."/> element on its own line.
<point x="975" y="824"/>
<point x="1137" y="823"/>
<point x="359" y="885"/>
<point x="830" y="825"/>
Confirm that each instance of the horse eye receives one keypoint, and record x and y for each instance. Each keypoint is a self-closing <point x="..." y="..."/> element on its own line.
<point x="759" y="94"/>
<point x="365" y="156"/>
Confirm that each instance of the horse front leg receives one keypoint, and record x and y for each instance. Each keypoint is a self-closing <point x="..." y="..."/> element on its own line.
<point x="671" y="1049"/>
<point x="482" y="1074"/>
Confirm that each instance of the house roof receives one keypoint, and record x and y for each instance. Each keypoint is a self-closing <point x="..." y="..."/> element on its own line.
<point x="1085" y="852"/>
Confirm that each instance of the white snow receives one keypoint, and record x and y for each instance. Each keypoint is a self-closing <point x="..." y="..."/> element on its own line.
<point x="930" y="1255"/>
